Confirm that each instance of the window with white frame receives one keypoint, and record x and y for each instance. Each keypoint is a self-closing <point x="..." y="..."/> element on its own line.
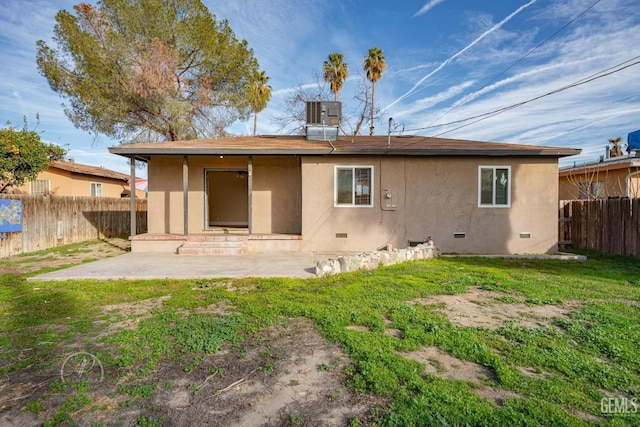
<point x="41" y="186"/>
<point x="494" y="186"/>
<point x="96" y="189"/>
<point x="353" y="186"/>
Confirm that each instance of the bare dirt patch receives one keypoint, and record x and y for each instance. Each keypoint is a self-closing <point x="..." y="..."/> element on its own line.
<point x="396" y="333"/>
<point x="358" y="328"/>
<point x="286" y="375"/>
<point x="442" y="364"/>
<point x="289" y="373"/>
<point x="533" y="373"/>
<point x="131" y="313"/>
<point x="136" y="308"/>
<point x="480" y="308"/>
<point x="32" y="262"/>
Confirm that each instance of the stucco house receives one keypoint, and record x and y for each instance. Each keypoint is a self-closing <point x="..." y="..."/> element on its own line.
<point x="68" y="178"/>
<point x="607" y="177"/>
<point x="325" y="192"/>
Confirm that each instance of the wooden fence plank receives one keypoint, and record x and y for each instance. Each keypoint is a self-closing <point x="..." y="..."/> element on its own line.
<point x="632" y="228"/>
<point x="81" y="219"/>
<point x="610" y="226"/>
<point x="627" y="234"/>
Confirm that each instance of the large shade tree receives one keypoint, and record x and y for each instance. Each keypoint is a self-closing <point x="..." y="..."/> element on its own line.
<point x="23" y="155"/>
<point x="259" y="93"/>
<point x="145" y="70"/>
<point x="374" y="65"/>
<point x="335" y="72"/>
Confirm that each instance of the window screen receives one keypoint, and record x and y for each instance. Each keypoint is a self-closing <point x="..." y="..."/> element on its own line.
<point x="353" y="186"/>
<point x="494" y="186"/>
<point x="96" y="189"/>
<point x="41" y="186"/>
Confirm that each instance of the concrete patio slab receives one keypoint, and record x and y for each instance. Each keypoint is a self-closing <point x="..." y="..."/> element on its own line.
<point x="143" y="266"/>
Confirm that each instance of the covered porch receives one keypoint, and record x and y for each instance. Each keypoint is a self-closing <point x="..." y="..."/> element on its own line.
<point x="221" y="205"/>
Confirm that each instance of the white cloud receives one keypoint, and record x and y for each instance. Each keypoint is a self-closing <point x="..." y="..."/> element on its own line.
<point x="427" y="7"/>
<point x="460" y="52"/>
<point x="430" y="101"/>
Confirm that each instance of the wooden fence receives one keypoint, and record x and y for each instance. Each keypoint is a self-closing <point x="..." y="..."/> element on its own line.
<point x="607" y="225"/>
<point x="50" y="221"/>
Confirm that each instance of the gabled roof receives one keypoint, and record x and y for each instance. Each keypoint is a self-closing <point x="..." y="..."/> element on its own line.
<point x="622" y="162"/>
<point x="405" y="145"/>
<point x="78" y="168"/>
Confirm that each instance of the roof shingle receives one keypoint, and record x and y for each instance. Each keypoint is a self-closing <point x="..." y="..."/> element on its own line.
<point x="345" y="145"/>
<point x="74" y="167"/>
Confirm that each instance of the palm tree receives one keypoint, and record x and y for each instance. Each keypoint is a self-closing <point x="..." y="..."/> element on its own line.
<point x="259" y="94"/>
<point x="374" y="65"/>
<point x="335" y="72"/>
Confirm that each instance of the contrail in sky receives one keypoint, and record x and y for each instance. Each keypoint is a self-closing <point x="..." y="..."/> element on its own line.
<point x="460" y="52"/>
<point x="427" y="7"/>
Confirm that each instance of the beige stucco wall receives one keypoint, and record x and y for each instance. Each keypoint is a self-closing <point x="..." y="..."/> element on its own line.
<point x="65" y="183"/>
<point x="275" y="196"/>
<point x="436" y="197"/>
<point x="615" y="182"/>
<point x="164" y="195"/>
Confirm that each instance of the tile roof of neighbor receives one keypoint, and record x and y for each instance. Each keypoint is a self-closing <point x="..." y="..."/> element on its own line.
<point x="345" y="145"/>
<point x="74" y="167"/>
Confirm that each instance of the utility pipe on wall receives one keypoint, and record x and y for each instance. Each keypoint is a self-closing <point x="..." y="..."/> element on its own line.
<point x="628" y="180"/>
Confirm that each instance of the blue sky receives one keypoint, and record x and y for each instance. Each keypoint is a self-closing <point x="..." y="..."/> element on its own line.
<point x="447" y="61"/>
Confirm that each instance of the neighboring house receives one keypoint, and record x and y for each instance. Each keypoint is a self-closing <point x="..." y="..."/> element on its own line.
<point x="607" y="177"/>
<point x="290" y="193"/>
<point x="67" y="178"/>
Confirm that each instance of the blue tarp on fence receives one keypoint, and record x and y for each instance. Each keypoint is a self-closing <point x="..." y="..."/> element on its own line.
<point x="10" y="216"/>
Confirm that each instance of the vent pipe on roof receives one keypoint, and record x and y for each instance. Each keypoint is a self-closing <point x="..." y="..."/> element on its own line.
<point x="392" y="127"/>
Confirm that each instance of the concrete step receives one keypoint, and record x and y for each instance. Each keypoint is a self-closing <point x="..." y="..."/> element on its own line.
<point x="214" y="245"/>
<point x="220" y="244"/>
<point x="211" y="251"/>
<point x="219" y="238"/>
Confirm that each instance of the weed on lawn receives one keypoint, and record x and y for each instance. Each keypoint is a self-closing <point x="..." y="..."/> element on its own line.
<point x="574" y="364"/>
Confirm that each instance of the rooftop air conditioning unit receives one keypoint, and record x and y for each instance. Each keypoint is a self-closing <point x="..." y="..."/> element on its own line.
<point x="323" y="120"/>
<point x="324" y="113"/>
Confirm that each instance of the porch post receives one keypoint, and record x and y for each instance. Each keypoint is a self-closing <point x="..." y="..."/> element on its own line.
<point x="249" y="191"/>
<point x="185" y="194"/>
<point x="132" y="196"/>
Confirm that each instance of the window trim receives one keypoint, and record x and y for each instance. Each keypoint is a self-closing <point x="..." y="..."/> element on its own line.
<point x="95" y="184"/>
<point x="493" y="203"/>
<point x="335" y="186"/>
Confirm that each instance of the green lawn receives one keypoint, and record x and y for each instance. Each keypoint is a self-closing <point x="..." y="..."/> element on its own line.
<point x="576" y="360"/>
